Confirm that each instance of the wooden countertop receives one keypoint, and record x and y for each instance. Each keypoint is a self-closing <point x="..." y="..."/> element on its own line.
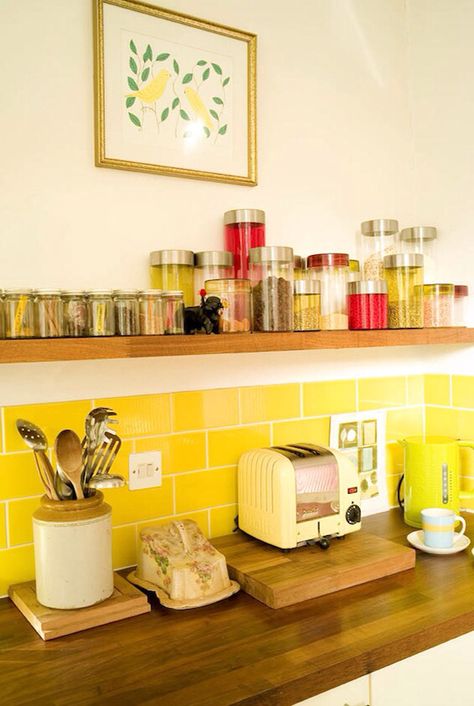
<point x="239" y="651"/>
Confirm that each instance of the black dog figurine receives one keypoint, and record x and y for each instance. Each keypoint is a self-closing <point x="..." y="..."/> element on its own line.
<point x="204" y="317"/>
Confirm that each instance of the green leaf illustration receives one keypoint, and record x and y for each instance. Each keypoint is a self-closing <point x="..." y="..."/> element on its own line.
<point x="162" y="57"/>
<point x="134" y="119"/>
<point x="145" y="73"/>
<point x="133" y="65"/>
<point x="188" y="78"/>
<point x="165" y="114"/>
<point x="132" y="83"/>
<point x="217" y="69"/>
<point x="175" y="103"/>
<point x="218" y="100"/>
<point x="130" y="101"/>
<point x="147" y="54"/>
<point x="207" y="132"/>
<point x="184" y="114"/>
<point x="205" y="74"/>
<point x="202" y="62"/>
<point x="175" y="66"/>
<point x="214" y="114"/>
<point x="132" y="46"/>
<point x="223" y="130"/>
<point x="226" y="81"/>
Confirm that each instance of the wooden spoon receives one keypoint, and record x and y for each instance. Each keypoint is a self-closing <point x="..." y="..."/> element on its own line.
<point x="69" y="454"/>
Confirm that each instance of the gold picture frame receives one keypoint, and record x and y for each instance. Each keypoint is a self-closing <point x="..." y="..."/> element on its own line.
<point x="199" y="126"/>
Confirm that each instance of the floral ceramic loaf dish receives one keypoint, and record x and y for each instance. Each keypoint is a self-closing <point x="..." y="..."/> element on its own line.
<point x="181" y="566"/>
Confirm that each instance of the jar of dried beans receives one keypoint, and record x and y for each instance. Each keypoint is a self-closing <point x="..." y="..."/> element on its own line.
<point x="378" y="239"/>
<point x="367" y="302"/>
<point x="126" y="312"/>
<point x="331" y="269"/>
<point x="208" y="265"/>
<point x="307" y="305"/>
<point x="438" y="301"/>
<point x="49" y="313"/>
<point x="461" y="301"/>
<point x="422" y="240"/>
<point x="235" y="297"/>
<point x="75" y="313"/>
<point x="271" y="276"/>
<point x="244" y="228"/>
<point x="404" y="277"/>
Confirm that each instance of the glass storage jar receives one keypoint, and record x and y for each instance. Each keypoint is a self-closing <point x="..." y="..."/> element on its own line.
<point x="235" y="297"/>
<point x="100" y="313"/>
<point x="299" y="267"/>
<point x="126" y="312"/>
<point x="151" y="312"/>
<point x="19" y="313"/>
<point x="438" y="305"/>
<point x="75" y="313"/>
<point x="208" y="265"/>
<point x="368" y="304"/>
<point x="461" y="301"/>
<point x="271" y="276"/>
<point x="422" y="240"/>
<point x="173" y="270"/>
<point x="404" y="277"/>
<point x="244" y="228"/>
<point x="49" y="313"/>
<point x="173" y="312"/>
<point x="331" y="269"/>
<point x="307" y="305"/>
<point x="2" y="315"/>
<point x="378" y="239"/>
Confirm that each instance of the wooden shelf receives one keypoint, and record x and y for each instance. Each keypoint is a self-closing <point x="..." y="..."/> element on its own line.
<point x="41" y="350"/>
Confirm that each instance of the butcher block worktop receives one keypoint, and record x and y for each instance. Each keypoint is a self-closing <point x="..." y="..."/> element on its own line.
<point x="240" y="651"/>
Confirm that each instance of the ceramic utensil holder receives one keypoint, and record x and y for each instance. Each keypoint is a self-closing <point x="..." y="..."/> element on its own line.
<point x="73" y="552"/>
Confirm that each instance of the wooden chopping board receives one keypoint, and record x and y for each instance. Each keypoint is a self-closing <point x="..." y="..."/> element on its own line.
<point x="280" y="579"/>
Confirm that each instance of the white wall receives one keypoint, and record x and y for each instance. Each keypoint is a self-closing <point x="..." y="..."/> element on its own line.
<point x="339" y="86"/>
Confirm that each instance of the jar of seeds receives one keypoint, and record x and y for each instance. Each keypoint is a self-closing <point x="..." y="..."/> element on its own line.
<point x="404" y="277"/>
<point x="271" y="277"/>
<point x="75" y="313"/>
<point x="101" y="315"/>
<point x="307" y="305"/>
<point x="151" y="312"/>
<point x="378" y="240"/>
<point x="126" y="312"/>
<point x="19" y="313"/>
<point x="49" y="313"/>
<point x="438" y="300"/>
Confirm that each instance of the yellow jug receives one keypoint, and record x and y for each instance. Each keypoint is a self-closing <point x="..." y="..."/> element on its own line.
<point x="431" y="475"/>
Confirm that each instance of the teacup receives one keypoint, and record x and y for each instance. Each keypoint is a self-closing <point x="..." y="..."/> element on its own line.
<point x="438" y="527"/>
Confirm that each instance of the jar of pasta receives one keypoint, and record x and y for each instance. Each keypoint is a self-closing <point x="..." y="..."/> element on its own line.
<point x="49" y="313"/>
<point x="101" y="313"/>
<point x="404" y="277"/>
<point x="126" y="312"/>
<point x="19" y="313"/>
<point x="151" y="312"/>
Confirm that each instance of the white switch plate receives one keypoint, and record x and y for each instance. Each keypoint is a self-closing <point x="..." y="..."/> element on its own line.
<point x="144" y="470"/>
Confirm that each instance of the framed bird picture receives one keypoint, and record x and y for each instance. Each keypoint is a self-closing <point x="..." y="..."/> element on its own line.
<point x="174" y="94"/>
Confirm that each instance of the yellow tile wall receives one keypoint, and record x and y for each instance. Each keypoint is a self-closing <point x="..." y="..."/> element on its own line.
<point x="201" y="435"/>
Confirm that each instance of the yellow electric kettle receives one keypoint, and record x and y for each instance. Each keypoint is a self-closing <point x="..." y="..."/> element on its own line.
<point x="431" y="475"/>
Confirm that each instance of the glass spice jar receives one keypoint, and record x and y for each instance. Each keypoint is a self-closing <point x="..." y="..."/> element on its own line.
<point x="368" y="304"/>
<point x="126" y="312"/>
<point x="49" y="313"/>
<point x="173" y="312"/>
<point x="438" y="305"/>
<point x="299" y="267"/>
<point x="235" y="297"/>
<point x="173" y="270"/>
<point x="271" y="277"/>
<point x="378" y="240"/>
<point x="461" y="300"/>
<point x="331" y="269"/>
<point x="422" y="240"/>
<point x="2" y="315"/>
<point x="244" y="228"/>
<point x="19" y="313"/>
<point x="307" y="305"/>
<point x="404" y="277"/>
<point x="75" y="313"/>
<point x="151" y="312"/>
<point x="208" y="265"/>
<point x="100" y="313"/>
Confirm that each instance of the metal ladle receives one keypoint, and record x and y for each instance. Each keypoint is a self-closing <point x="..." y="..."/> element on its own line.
<point x="106" y="480"/>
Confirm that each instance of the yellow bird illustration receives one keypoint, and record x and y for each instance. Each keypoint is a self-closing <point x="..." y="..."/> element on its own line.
<point x="195" y="101"/>
<point x="154" y="89"/>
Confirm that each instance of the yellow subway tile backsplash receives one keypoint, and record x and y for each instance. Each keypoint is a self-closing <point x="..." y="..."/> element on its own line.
<point x="437" y="389"/>
<point x="463" y="391"/>
<point x="141" y="415"/>
<point x="51" y="417"/>
<point x="415" y="389"/>
<point x="404" y="422"/>
<point x="330" y="397"/>
<point x="205" y="409"/>
<point x="180" y="452"/>
<point x="195" y="491"/>
<point x="201" y="518"/>
<point x="20" y="520"/>
<point x="16" y="565"/>
<point x="313" y="431"/>
<point x="266" y="402"/>
<point x="223" y="520"/>
<point x="382" y="392"/>
<point x="394" y="459"/>
<point x="124" y="549"/>
<point x="19" y="476"/>
<point x="137" y="505"/>
<point x="3" y="526"/>
<point x="444" y="421"/>
<point x="466" y="461"/>
<point x="226" y="445"/>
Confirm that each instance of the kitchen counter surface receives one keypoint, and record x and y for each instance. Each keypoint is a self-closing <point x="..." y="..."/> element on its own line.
<point x="239" y="651"/>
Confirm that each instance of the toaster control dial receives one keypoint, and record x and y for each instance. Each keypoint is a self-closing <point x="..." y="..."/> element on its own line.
<point x="353" y="514"/>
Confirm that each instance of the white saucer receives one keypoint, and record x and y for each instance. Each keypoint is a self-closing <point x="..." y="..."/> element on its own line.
<point x="460" y="543"/>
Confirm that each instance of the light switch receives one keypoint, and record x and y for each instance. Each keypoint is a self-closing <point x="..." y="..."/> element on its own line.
<point x="144" y="470"/>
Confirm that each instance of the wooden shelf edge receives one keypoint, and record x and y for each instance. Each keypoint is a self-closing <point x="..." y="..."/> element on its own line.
<point x="64" y="349"/>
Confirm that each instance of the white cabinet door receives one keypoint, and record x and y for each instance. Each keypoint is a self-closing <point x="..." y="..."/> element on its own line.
<point x="437" y="677"/>
<point x="354" y="693"/>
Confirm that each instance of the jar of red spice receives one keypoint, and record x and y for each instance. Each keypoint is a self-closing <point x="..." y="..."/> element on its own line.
<point x="368" y="304"/>
<point x="244" y="228"/>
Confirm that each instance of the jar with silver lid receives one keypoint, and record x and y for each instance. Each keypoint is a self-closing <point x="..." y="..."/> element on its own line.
<point x="379" y="238"/>
<point x="271" y="277"/>
<point x="404" y="277"/>
<point x="173" y="270"/>
<point x="75" y="313"/>
<point x="101" y="315"/>
<point x="49" y="313"/>
<point x="126" y="312"/>
<point x="151" y="312"/>
<point x="367" y="303"/>
<point x="19" y="313"/>
<point x="422" y="240"/>
<point x="244" y="228"/>
<point x="208" y="265"/>
<point x="173" y="312"/>
<point x="307" y="305"/>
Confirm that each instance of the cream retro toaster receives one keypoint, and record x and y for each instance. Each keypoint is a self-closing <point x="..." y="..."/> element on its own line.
<point x="289" y="495"/>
